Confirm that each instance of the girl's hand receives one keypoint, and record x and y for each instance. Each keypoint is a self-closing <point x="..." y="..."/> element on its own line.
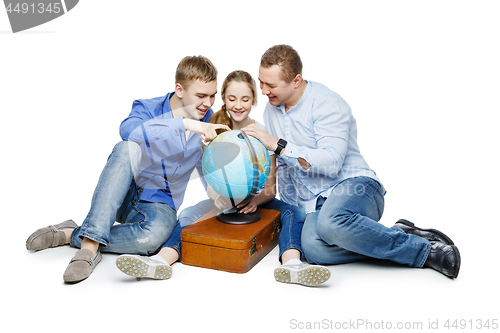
<point x="250" y="208"/>
<point x="222" y="202"/>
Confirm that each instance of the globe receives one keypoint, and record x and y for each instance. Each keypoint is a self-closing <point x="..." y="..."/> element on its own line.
<point x="230" y="169"/>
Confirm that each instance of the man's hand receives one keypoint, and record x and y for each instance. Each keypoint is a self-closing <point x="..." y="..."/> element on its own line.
<point x="269" y="141"/>
<point x="205" y="130"/>
<point x="303" y="163"/>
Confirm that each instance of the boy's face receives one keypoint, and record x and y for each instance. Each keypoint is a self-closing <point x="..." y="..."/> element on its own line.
<point x="198" y="98"/>
<point x="278" y="91"/>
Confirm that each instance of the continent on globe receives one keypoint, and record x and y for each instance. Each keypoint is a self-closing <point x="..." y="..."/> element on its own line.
<point x="229" y="168"/>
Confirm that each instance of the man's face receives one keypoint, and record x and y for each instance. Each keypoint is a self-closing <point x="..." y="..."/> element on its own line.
<point x="198" y="98"/>
<point x="272" y="85"/>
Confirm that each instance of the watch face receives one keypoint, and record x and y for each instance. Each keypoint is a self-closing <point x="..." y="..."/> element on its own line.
<point x="281" y="145"/>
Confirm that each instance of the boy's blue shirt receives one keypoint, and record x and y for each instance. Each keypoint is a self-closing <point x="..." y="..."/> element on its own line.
<point x="168" y="160"/>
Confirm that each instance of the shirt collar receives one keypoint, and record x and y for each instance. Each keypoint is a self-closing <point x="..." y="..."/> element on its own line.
<point x="166" y="105"/>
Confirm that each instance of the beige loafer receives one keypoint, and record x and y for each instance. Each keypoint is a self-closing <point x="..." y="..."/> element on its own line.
<point x="48" y="237"/>
<point x="81" y="266"/>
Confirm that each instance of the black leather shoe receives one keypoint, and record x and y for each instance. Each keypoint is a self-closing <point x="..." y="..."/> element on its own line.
<point x="444" y="259"/>
<point x="429" y="234"/>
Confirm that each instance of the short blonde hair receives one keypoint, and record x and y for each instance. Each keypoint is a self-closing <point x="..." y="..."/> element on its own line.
<point x="193" y="68"/>
<point x="286" y="58"/>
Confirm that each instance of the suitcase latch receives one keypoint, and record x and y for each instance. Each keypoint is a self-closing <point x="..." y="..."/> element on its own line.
<point x="253" y="249"/>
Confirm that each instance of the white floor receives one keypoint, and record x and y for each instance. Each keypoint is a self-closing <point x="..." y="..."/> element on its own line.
<point x="359" y="295"/>
<point x="421" y="79"/>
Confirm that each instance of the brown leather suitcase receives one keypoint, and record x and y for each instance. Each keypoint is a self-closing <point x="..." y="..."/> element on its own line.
<point x="232" y="248"/>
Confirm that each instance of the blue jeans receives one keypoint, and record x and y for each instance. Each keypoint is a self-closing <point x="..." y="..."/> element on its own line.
<point x="144" y="226"/>
<point x="292" y="221"/>
<point x="344" y="228"/>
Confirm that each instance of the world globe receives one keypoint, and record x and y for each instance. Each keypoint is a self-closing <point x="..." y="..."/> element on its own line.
<point x="230" y="168"/>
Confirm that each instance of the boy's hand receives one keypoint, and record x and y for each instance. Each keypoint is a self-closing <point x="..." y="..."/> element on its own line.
<point x="205" y="130"/>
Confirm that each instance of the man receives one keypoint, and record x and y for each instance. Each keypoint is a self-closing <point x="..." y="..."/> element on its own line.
<point x="320" y="168"/>
<point x="145" y="177"/>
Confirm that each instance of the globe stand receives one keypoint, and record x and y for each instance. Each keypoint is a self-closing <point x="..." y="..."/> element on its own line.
<point x="238" y="218"/>
<point x="232" y="215"/>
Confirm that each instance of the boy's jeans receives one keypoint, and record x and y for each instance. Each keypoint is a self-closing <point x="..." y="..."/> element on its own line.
<point x="345" y="228"/>
<point x="144" y="226"/>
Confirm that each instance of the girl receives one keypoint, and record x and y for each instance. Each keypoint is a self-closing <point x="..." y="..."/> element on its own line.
<point x="239" y="94"/>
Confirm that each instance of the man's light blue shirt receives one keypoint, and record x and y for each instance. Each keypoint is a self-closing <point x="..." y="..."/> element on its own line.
<point x="322" y="130"/>
<point x="168" y="159"/>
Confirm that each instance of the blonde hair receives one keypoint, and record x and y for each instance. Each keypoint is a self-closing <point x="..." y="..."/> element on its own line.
<point x="221" y="116"/>
<point x="286" y="58"/>
<point x="193" y="68"/>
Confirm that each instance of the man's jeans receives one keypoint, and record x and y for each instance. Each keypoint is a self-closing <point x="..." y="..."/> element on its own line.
<point x="144" y="226"/>
<point x="345" y="228"/>
<point x="292" y="221"/>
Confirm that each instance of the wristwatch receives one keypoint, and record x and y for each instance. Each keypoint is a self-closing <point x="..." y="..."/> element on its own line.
<point x="281" y="145"/>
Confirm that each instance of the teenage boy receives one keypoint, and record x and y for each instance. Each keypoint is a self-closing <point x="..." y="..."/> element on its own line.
<point x="320" y="168"/>
<point x="145" y="177"/>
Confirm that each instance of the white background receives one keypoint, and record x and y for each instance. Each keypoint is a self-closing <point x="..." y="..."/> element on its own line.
<point x="422" y="79"/>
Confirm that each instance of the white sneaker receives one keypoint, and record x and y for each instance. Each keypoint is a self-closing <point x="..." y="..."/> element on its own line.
<point x="142" y="266"/>
<point x="303" y="273"/>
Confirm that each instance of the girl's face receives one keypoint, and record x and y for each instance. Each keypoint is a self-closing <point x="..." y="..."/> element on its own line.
<point x="238" y="100"/>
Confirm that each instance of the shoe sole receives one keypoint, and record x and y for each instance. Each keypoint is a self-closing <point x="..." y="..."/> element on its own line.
<point x="459" y="261"/>
<point x="437" y="232"/>
<point x="310" y="276"/>
<point x="137" y="268"/>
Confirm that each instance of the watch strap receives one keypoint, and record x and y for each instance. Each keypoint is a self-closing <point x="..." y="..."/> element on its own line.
<point x="281" y="145"/>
